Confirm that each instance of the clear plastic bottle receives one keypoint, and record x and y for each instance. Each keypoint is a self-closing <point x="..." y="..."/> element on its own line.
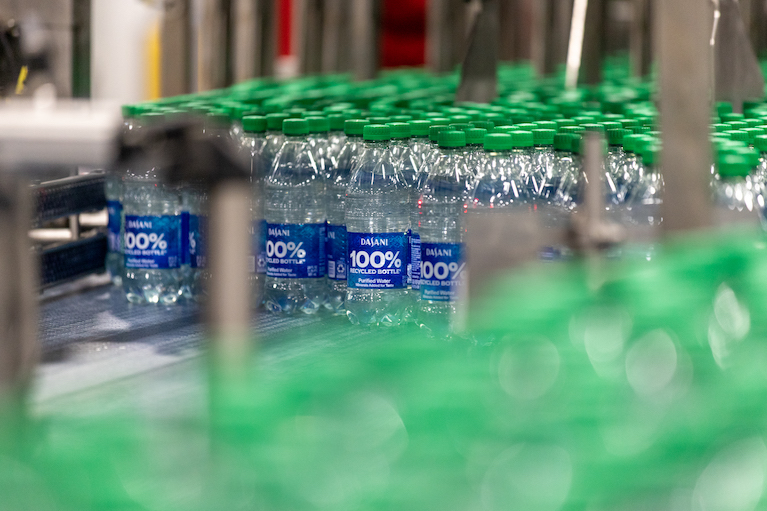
<point x="252" y="142"/>
<point x="419" y="139"/>
<point x="760" y="143"/>
<point x="407" y="165"/>
<point x="497" y="183"/>
<point x="336" y="137"/>
<point x="475" y="138"/>
<point x="319" y="145"/>
<point x="543" y="160"/>
<point x="442" y="230"/>
<point x="429" y="154"/>
<point x="736" y="195"/>
<point x="335" y="247"/>
<point x="151" y="234"/>
<point x="274" y="137"/>
<point x="295" y="216"/>
<point x="641" y="213"/>
<point x="377" y="223"/>
<point x="522" y="161"/>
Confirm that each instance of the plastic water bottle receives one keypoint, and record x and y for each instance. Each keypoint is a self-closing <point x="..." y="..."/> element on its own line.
<point x="550" y="181"/>
<point x="151" y="235"/>
<point x="543" y="160"/>
<point x="252" y="142"/>
<point x="295" y="216"/>
<point x="641" y="211"/>
<point x="442" y="231"/>
<point x="475" y="152"/>
<point x="419" y="139"/>
<point x="114" y="260"/>
<point x="407" y="165"/>
<point x="319" y="145"/>
<point x="335" y="247"/>
<point x="571" y="178"/>
<point x="497" y="183"/>
<point x="522" y="161"/>
<point x="274" y="137"/>
<point x="760" y="143"/>
<point x="377" y="223"/>
<point x="336" y="137"/>
<point x="736" y="195"/>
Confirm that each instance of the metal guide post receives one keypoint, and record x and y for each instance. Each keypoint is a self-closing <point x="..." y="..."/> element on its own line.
<point x="366" y="26"/>
<point x="19" y="349"/>
<point x="640" y="43"/>
<point x="310" y="34"/>
<point x="549" y="41"/>
<point x="737" y="75"/>
<point x="479" y="78"/>
<point x="446" y="24"/>
<point x="212" y="65"/>
<point x="176" y="48"/>
<point x="683" y="29"/>
<point x="254" y="38"/>
<point x="585" y="50"/>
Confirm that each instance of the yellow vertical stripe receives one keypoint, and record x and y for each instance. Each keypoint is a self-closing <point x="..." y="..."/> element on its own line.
<point x="154" y="62"/>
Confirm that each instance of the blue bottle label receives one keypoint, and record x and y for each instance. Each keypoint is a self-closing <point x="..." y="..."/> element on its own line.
<point x="258" y="246"/>
<point x="377" y="261"/>
<point x="152" y="242"/>
<point x="335" y="249"/>
<point x="442" y="271"/>
<point x="115" y="211"/>
<point x="185" y="238"/>
<point x="295" y="251"/>
<point x="415" y="260"/>
<point x="198" y="232"/>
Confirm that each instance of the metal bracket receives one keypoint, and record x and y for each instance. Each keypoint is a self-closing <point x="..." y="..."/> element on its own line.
<point x="479" y="78"/>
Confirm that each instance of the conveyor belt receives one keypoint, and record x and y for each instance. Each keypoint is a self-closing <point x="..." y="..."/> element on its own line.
<point x="96" y="337"/>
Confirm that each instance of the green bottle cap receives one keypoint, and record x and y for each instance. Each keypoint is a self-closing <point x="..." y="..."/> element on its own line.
<point x="336" y="121"/>
<point x="753" y="123"/>
<point x="731" y="116"/>
<point x="576" y="142"/>
<point x="401" y="118"/>
<point x="737" y="125"/>
<point x="733" y="164"/>
<point x="629" y="123"/>
<point x="376" y="133"/>
<point x="543" y="136"/>
<point x="572" y="129"/>
<point x="355" y="127"/>
<point x="723" y="108"/>
<point x="295" y="126"/>
<point x="419" y="128"/>
<point x="593" y="127"/>
<point x="630" y="142"/>
<point x="498" y="142"/>
<point x="739" y="135"/>
<point x="379" y="120"/>
<point x="615" y="136"/>
<point x="318" y="124"/>
<point x="504" y="129"/>
<point x="452" y="138"/>
<point x="526" y="126"/>
<point x="475" y="136"/>
<point x="274" y="121"/>
<point x="442" y="121"/>
<point x="129" y="110"/>
<point x="611" y="125"/>
<point x="460" y="126"/>
<point x="562" y="142"/>
<point x="487" y="125"/>
<point x="720" y="127"/>
<point x="399" y="130"/>
<point x="651" y="155"/>
<point x="435" y="130"/>
<point x="753" y="133"/>
<point x="522" y="138"/>
<point x="760" y="142"/>
<point x="254" y="123"/>
<point x="561" y="123"/>
<point x="546" y="125"/>
<point x="460" y="118"/>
